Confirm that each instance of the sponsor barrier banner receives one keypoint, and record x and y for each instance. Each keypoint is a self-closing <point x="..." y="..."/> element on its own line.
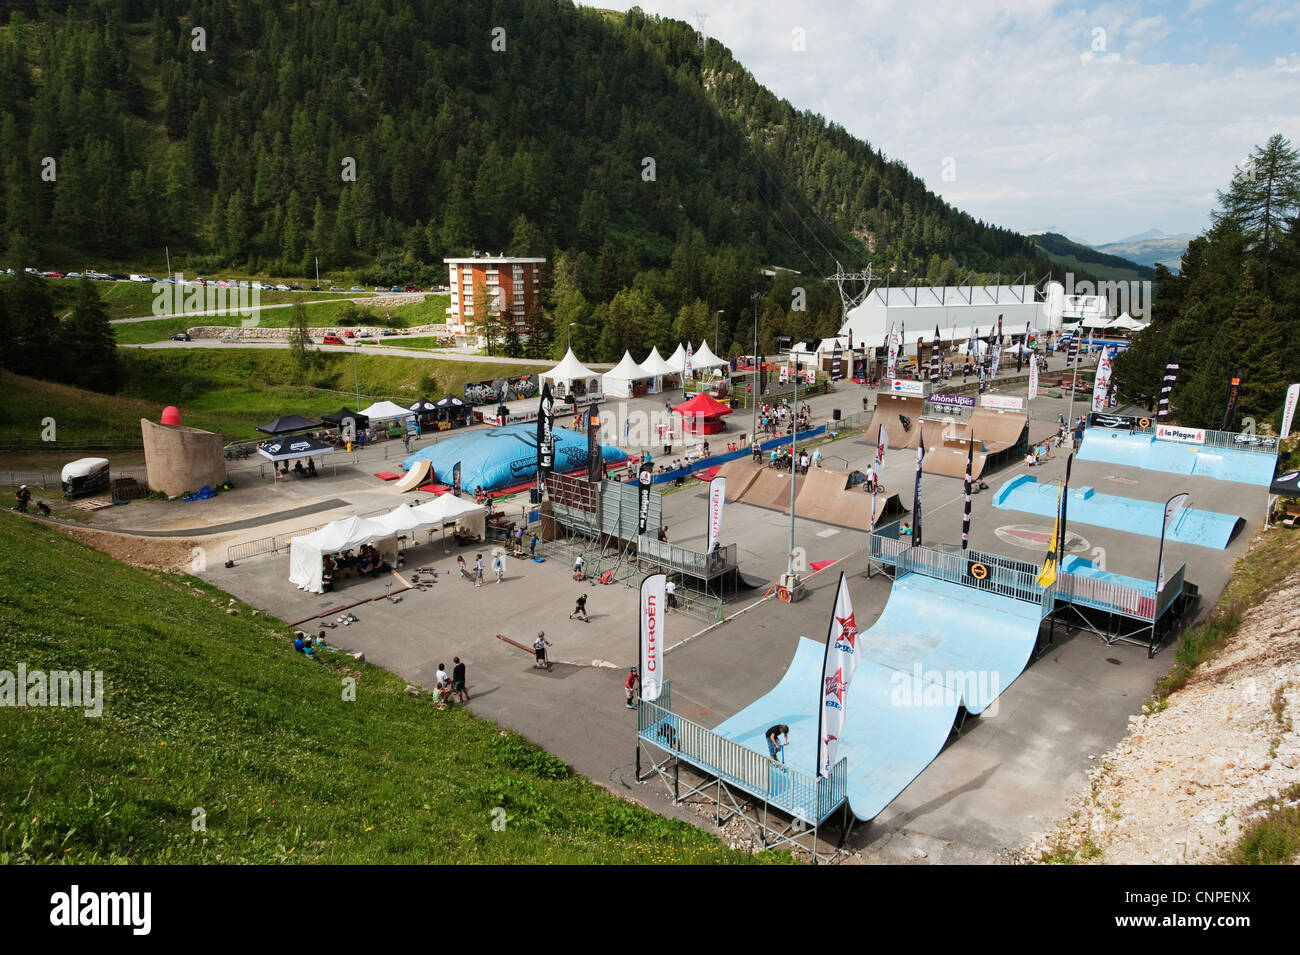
<point x="952" y="401"/>
<point x="903" y="386"/>
<point x="1169" y="432"/>
<point x="545" y="432"/>
<point x="1003" y="402"/>
<point x="1099" y="419"/>
<point x="644" y="479"/>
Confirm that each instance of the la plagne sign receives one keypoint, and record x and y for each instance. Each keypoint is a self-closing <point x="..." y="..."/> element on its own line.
<point x="1168" y="432"/>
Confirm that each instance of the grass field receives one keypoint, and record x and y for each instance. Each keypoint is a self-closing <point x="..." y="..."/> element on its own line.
<point x="135" y="299"/>
<point x="218" y="743"/>
<point x="229" y="391"/>
<point x="322" y="314"/>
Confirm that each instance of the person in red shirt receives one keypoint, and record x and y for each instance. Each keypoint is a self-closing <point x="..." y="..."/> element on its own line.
<point x="632" y="685"/>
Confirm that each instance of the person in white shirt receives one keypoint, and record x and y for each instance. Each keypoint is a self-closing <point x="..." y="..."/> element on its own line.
<point x="577" y="568"/>
<point x="670" y="592"/>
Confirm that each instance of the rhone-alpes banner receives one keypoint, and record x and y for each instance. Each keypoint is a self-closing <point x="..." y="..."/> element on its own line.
<point x="837" y="672"/>
<point x="652" y="635"/>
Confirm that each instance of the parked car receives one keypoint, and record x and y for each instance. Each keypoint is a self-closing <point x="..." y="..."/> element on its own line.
<point x="395" y="288"/>
<point x="317" y="288"/>
<point x="380" y="288"/>
<point x="355" y="288"/>
<point x="332" y="340"/>
<point x="282" y="287"/>
<point x="138" y="277"/>
<point x="117" y="276"/>
<point x="181" y="337"/>
<point x="349" y="334"/>
<point x="412" y="288"/>
<point x="387" y="331"/>
<point x="336" y="288"/>
<point x="295" y="288"/>
<point x="71" y="275"/>
<point x="54" y="275"/>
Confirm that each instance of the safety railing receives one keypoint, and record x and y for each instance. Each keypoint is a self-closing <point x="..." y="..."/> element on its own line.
<point x="1228" y="440"/>
<point x="806" y="796"/>
<point x="266" y="545"/>
<point x="1108" y="596"/>
<point x="671" y="558"/>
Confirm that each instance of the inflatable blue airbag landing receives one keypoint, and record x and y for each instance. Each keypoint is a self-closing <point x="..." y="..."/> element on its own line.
<point x="502" y="457"/>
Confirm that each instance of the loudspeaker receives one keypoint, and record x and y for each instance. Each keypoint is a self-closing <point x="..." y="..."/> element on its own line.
<point x="835" y="414"/>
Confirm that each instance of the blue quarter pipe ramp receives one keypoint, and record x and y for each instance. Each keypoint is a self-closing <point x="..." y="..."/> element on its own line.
<point x="1151" y="454"/>
<point x="936" y="646"/>
<point x="1192" y="526"/>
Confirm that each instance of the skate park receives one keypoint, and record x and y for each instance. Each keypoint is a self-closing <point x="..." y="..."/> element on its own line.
<point x="949" y="802"/>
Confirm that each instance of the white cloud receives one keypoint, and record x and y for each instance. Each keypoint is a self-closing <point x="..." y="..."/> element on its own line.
<point x="1043" y="127"/>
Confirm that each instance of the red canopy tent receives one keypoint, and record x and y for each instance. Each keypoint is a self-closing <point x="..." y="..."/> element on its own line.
<point x="703" y="414"/>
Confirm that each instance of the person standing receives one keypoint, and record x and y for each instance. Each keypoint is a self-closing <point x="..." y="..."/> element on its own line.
<point x="406" y="443"/>
<point x="631" y="686"/>
<point x="532" y="546"/>
<point x="578" y="573"/>
<point x="478" y="571"/>
<point x="458" y="680"/>
<point x="460" y="563"/>
<point x="670" y="594"/>
<point x="24" y="497"/>
<point x="499" y="567"/>
<point x="539" y="650"/>
<point x="580" y="610"/>
<point x="442" y="683"/>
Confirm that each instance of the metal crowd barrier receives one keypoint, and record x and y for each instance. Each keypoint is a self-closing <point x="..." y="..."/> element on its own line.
<point x="811" y="798"/>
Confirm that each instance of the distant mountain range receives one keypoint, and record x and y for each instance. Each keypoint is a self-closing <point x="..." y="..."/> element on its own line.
<point x="1149" y="248"/>
<point x="1132" y="257"/>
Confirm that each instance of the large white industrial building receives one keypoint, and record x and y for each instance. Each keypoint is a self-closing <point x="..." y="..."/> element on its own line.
<point x="968" y="309"/>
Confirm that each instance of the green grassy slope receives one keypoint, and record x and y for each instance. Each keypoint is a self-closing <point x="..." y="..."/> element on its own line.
<point x="228" y="391"/>
<point x="205" y="710"/>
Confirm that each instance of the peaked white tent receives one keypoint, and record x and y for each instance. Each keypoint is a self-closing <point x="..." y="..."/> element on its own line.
<point x="386" y="411"/>
<point x="621" y="380"/>
<point x="677" y="360"/>
<point x="305" y="552"/>
<point x="704" y="358"/>
<point x="661" y="371"/>
<point x="1127" y="323"/>
<point x="1096" y="321"/>
<point x="571" y="376"/>
<point x="448" y="508"/>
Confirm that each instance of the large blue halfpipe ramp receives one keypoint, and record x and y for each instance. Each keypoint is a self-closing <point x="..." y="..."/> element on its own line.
<point x="1148" y="452"/>
<point x="936" y="646"/>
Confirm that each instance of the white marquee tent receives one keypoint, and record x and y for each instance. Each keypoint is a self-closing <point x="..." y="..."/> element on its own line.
<point x="571" y="376"/>
<point x="660" y="370"/>
<point x="620" y="382"/>
<point x="386" y="411"/>
<point x="677" y="360"/>
<point x="305" y="553"/>
<point x="704" y="358"/>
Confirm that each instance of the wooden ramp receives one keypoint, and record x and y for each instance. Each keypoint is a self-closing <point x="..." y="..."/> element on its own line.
<point x="946" y="446"/>
<point x="413" y="478"/>
<point x="888" y="408"/>
<point x="771" y="489"/>
<point x="740" y="474"/>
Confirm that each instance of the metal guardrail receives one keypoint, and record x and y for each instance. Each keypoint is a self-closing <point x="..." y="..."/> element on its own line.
<point x="808" y="797"/>
<point x="672" y="558"/>
<point x="1228" y="440"/>
<point x="1108" y="596"/>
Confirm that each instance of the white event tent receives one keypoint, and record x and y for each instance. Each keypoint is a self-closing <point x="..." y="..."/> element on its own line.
<point x="704" y="358"/>
<point x="570" y="376"/>
<point x="348" y="533"/>
<point x="386" y="411"/>
<point x="661" y="371"/>
<point x="620" y="381"/>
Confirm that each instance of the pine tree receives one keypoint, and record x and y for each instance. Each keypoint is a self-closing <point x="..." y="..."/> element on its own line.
<point x="86" y="344"/>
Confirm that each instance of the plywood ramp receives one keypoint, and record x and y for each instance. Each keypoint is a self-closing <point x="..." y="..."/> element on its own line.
<point x="998" y="430"/>
<point x="413" y="478"/>
<point x="771" y="488"/>
<point x="888" y="408"/>
<point x="740" y="474"/>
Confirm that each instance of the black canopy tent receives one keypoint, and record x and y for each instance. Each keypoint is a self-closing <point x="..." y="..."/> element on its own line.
<point x="288" y="424"/>
<point x="452" y="409"/>
<point x="426" y="412"/>
<point x="336" y="418"/>
<point x="1286" y="485"/>
<point x="289" y="449"/>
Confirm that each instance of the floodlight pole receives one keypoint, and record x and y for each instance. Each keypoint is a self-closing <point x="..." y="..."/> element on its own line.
<point x="356" y="375"/>
<point x="794" y="437"/>
<point x="756" y="387"/>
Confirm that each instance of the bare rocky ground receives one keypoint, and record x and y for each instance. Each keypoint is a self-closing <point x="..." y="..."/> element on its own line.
<point x="1192" y="773"/>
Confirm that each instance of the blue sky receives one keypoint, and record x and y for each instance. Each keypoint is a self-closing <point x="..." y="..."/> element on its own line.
<point x="1097" y="120"/>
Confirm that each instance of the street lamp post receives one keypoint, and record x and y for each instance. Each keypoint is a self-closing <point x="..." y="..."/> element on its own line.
<point x="356" y="375"/>
<point x="716" y="316"/>
<point x="755" y="388"/>
<point x="568" y="336"/>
